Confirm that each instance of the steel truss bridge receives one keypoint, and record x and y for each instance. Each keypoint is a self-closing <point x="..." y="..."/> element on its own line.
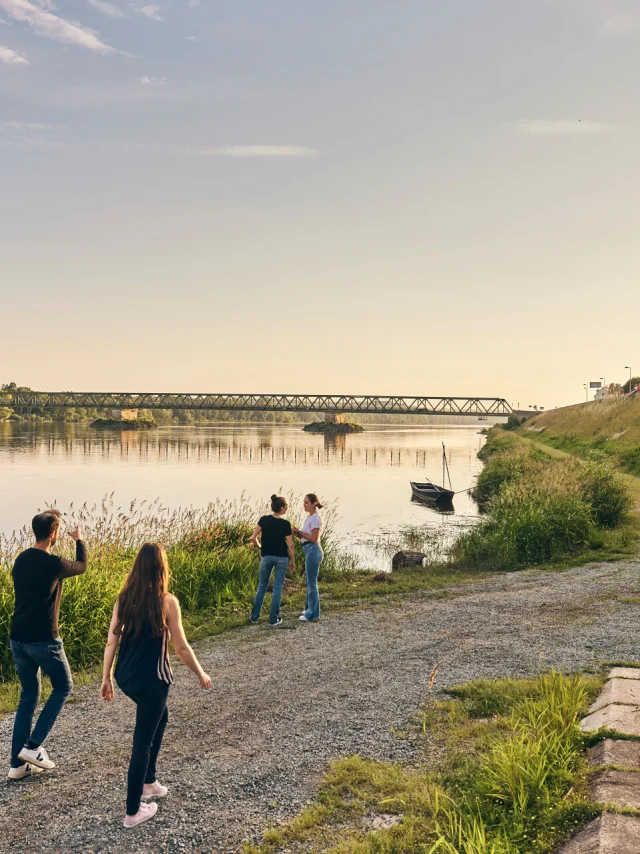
<point x="320" y="403"/>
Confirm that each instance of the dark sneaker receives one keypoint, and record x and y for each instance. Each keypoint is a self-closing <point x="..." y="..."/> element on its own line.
<point x="253" y="622"/>
<point x="278" y="622"/>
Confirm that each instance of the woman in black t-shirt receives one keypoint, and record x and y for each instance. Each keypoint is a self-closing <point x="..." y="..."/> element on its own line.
<point x="276" y="549"/>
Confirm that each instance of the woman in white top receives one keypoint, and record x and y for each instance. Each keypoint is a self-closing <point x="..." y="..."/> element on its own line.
<point x="310" y="537"/>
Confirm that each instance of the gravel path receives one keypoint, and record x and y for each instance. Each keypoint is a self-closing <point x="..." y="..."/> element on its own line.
<point x="284" y="702"/>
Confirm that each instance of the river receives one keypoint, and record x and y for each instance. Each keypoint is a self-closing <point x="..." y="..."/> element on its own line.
<point x="365" y="476"/>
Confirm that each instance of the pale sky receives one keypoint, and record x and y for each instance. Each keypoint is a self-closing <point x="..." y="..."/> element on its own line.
<point x="360" y="196"/>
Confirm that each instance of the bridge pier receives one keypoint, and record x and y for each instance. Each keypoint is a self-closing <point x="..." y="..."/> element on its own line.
<point x="336" y="417"/>
<point x="124" y="414"/>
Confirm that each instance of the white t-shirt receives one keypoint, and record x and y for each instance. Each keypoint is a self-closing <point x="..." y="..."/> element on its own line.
<point x="312" y="522"/>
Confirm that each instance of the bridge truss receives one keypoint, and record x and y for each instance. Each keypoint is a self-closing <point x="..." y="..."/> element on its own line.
<point x="320" y="403"/>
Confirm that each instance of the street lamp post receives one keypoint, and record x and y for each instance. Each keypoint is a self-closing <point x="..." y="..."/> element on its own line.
<point x="586" y="393"/>
<point x="629" y="369"/>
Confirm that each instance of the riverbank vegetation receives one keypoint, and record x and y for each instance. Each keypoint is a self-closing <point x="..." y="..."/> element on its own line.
<point x="543" y="510"/>
<point x="502" y="769"/>
<point x="610" y="426"/>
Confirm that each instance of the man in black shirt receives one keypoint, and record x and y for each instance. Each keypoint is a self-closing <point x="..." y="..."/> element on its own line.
<point x="36" y="643"/>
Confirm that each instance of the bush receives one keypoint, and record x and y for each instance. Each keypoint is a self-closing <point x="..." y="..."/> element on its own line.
<point x="606" y="494"/>
<point x="528" y="525"/>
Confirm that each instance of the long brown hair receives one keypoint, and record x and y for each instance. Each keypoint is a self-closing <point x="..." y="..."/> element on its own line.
<point x="142" y="603"/>
<point x="313" y="498"/>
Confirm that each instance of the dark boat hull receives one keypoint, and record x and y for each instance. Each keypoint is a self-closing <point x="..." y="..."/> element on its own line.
<point x="429" y="493"/>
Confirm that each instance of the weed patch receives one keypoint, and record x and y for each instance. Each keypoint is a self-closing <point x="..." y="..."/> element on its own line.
<point x="505" y="772"/>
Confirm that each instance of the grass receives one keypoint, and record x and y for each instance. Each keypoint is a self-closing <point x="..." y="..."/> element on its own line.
<point x="503" y="770"/>
<point x="544" y="510"/>
<point x="610" y="426"/>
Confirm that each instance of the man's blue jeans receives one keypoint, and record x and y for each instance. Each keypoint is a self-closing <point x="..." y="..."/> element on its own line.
<point x="313" y="555"/>
<point x="30" y="659"/>
<point x="279" y="565"/>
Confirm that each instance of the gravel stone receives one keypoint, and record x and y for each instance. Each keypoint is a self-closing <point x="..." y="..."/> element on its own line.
<point x="253" y="750"/>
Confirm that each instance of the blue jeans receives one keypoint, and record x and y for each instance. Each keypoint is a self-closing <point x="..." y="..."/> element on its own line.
<point x="313" y="555"/>
<point x="279" y="564"/>
<point x="30" y="659"/>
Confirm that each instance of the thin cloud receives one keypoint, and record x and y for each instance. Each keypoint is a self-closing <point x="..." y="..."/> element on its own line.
<point x="11" y="57"/>
<point x="152" y="81"/>
<point x="562" y="127"/>
<point x="44" y="23"/>
<point x="191" y="38"/>
<point x="107" y="8"/>
<point x="621" y="26"/>
<point x="35" y="141"/>
<point x="150" y="11"/>
<point x="256" y="151"/>
<point x="37" y="126"/>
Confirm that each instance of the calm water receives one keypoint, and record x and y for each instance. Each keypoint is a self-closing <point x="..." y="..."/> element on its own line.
<point x="367" y="475"/>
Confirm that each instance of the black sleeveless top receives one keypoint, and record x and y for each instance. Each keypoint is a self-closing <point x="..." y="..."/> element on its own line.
<point x="143" y="663"/>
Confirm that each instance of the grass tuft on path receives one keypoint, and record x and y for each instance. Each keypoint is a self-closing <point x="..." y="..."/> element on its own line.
<point x="503" y="771"/>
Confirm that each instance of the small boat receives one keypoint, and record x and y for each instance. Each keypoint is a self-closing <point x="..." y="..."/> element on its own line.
<point x="429" y="493"/>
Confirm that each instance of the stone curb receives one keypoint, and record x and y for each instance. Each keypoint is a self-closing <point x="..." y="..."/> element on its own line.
<point x="617" y="784"/>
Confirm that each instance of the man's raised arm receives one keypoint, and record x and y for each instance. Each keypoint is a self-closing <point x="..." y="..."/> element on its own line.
<point x="79" y="565"/>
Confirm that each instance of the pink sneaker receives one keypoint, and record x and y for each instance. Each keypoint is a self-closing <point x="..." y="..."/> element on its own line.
<point x="154" y="790"/>
<point x="146" y="811"/>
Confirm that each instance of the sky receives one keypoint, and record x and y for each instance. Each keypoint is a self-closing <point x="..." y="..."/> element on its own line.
<point x="353" y="196"/>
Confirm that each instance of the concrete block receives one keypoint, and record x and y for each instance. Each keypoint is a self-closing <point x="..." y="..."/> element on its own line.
<point x="607" y="834"/>
<point x="624" y="691"/>
<point x="623" y="719"/>
<point x="625" y="673"/>
<point x="621" y="789"/>
<point x="625" y="754"/>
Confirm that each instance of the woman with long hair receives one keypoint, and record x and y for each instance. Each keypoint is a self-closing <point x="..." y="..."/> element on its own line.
<point x="277" y="554"/>
<point x="310" y="537"/>
<point x="145" y="618"/>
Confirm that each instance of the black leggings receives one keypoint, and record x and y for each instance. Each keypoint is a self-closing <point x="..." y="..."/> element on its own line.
<point x="151" y="720"/>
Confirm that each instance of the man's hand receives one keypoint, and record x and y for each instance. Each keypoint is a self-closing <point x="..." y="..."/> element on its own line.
<point x="204" y="680"/>
<point x="76" y="534"/>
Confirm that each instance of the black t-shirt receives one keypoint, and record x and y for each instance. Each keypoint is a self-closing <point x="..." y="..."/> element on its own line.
<point x="274" y="530"/>
<point x="37" y="579"/>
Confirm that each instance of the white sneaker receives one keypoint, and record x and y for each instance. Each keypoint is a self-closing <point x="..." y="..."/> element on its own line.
<point x="37" y="757"/>
<point x="23" y="771"/>
<point x="304" y="619"/>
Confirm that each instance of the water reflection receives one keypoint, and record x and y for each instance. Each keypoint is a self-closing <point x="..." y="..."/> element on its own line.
<point x="384" y="448"/>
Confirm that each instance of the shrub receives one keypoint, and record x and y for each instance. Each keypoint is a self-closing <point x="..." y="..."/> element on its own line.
<point x="606" y="494"/>
<point x="529" y="524"/>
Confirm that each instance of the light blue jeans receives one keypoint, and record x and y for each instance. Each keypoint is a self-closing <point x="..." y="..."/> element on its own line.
<point x="313" y="555"/>
<point x="279" y="565"/>
<point x="30" y="659"/>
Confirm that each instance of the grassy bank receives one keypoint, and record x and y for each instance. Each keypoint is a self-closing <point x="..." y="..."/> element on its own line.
<point x="611" y="426"/>
<point x="542" y="510"/>
<point x="213" y="572"/>
<point x="503" y="770"/>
